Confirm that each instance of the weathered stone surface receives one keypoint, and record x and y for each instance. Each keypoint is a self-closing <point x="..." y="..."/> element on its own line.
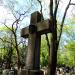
<point x="42" y="28"/>
<point x="22" y="72"/>
<point x="33" y="54"/>
<point x="36" y="72"/>
<point x="30" y="72"/>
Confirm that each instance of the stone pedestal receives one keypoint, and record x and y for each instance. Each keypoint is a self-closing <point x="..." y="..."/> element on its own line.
<point x="30" y="72"/>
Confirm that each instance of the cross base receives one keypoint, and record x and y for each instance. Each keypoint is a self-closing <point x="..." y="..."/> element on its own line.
<point x="31" y="72"/>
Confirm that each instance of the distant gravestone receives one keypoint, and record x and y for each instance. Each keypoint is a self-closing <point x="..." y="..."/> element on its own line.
<point x="11" y="72"/>
<point x="6" y="72"/>
<point x="33" y="32"/>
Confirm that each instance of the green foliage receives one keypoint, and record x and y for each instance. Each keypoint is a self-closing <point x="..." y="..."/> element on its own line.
<point x="4" y="28"/>
<point x="44" y="52"/>
<point x="70" y="49"/>
<point x="67" y="53"/>
<point x="60" y="57"/>
<point x="23" y="51"/>
<point x="67" y="56"/>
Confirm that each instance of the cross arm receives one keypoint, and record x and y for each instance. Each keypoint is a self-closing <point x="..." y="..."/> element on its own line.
<point x="25" y="32"/>
<point x="42" y="28"/>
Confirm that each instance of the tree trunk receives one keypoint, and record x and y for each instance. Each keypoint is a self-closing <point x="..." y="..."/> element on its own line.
<point x="53" y="49"/>
<point x="18" y="54"/>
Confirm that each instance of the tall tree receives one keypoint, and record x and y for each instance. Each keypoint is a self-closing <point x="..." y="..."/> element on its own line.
<point x="54" y="39"/>
<point x="19" y="15"/>
<point x="54" y="6"/>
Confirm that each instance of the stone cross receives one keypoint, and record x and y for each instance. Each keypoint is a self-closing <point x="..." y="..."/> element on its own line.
<point x="33" y="32"/>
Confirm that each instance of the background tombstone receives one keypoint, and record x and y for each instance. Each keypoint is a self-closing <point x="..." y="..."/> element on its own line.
<point x="5" y="72"/>
<point x="11" y="72"/>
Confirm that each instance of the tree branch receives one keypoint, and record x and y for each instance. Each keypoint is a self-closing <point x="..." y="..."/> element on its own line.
<point x="4" y="40"/>
<point x="62" y="23"/>
<point x="51" y="9"/>
<point x="56" y="8"/>
<point x="72" y="3"/>
<point x="48" y="44"/>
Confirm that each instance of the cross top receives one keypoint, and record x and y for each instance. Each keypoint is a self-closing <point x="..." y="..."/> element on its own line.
<point x="36" y="25"/>
<point x="35" y="17"/>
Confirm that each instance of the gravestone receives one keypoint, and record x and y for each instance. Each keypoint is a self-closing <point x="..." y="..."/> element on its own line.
<point x="33" y="32"/>
<point x="11" y="72"/>
<point x="6" y="72"/>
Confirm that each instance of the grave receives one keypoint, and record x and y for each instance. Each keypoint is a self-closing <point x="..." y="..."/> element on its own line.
<point x="33" y="32"/>
<point x="11" y="72"/>
<point x="6" y="72"/>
